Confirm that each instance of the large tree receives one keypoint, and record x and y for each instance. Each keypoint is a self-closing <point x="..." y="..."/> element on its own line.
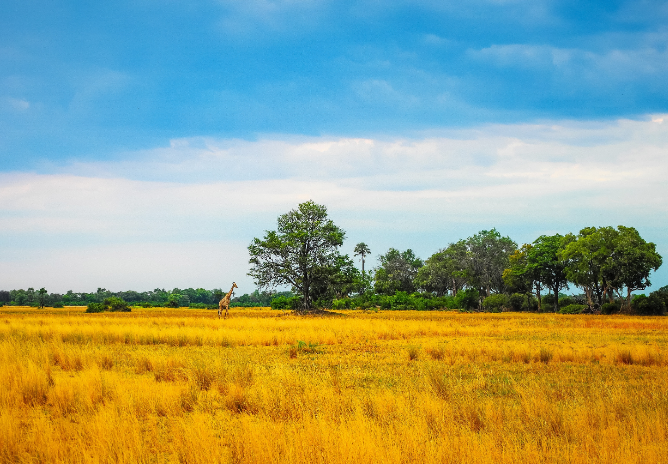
<point x="397" y="271"/>
<point x="631" y="262"/>
<point x="546" y="265"/>
<point x="587" y="256"/>
<point x="299" y="253"/>
<point x="487" y="258"/>
<point x="444" y="271"/>
<point x="520" y="276"/>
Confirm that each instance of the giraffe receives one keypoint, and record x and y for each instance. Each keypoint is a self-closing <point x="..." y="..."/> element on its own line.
<point x="225" y="302"/>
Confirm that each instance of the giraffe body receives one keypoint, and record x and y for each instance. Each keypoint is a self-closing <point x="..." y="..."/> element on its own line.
<point x="225" y="301"/>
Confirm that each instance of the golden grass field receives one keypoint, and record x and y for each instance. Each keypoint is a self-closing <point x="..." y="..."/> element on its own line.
<point x="178" y="385"/>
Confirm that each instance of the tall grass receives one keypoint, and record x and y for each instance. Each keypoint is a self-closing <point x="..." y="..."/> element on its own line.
<point x="161" y="385"/>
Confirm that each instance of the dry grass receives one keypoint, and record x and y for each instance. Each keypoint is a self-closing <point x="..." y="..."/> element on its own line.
<point x="160" y="385"/>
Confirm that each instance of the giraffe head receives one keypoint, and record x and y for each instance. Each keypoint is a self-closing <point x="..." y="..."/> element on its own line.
<point x="234" y="285"/>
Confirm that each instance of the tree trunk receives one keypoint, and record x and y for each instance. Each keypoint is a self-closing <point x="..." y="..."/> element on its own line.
<point x="556" y="299"/>
<point x="538" y="296"/>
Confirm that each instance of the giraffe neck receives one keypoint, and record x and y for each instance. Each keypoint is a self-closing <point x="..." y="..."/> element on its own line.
<point x="229" y="294"/>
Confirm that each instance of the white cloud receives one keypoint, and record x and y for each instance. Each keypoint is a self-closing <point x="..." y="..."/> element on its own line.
<point x="207" y="198"/>
<point x="19" y="104"/>
<point x="616" y="64"/>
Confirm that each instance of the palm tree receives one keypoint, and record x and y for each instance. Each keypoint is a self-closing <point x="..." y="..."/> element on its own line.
<point x="362" y="249"/>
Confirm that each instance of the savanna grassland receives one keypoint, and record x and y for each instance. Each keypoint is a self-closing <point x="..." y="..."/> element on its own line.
<point x="179" y="385"/>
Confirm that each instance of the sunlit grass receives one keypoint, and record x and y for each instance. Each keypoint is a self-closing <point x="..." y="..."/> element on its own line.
<point x="162" y="385"/>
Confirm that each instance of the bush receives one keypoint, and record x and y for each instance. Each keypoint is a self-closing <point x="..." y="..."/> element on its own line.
<point x="649" y="306"/>
<point x="572" y="309"/>
<point x="58" y="305"/>
<point x="198" y="305"/>
<point x="516" y="302"/>
<point x="566" y="301"/>
<point x="116" y="304"/>
<point x="495" y="303"/>
<point x="467" y="299"/>
<point x="547" y="301"/>
<point x="283" y="302"/>
<point x="439" y="302"/>
<point x="95" y="308"/>
<point x="610" y="308"/>
<point x="343" y="303"/>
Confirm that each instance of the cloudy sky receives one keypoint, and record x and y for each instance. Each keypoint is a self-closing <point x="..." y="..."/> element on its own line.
<point x="145" y="143"/>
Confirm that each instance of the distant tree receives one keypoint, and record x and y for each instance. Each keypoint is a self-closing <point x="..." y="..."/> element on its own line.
<point x="300" y="253"/>
<point x="42" y="297"/>
<point x="604" y="260"/>
<point x="362" y="249"/>
<point x="546" y="265"/>
<point x="488" y="256"/>
<point x="520" y="276"/>
<point x="444" y="271"/>
<point x="337" y="280"/>
<point x="5" y="297"/>
<point x="586" y="256"/>
<point x="397" y="272"/>
<point x="217" y="294"/>
<point x="632" y="260"/>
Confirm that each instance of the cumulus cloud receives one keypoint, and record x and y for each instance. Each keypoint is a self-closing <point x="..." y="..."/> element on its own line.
<point x="420" y="193"/>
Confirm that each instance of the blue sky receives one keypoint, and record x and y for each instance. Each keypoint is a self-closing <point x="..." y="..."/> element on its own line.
<point x="161" y="137"/>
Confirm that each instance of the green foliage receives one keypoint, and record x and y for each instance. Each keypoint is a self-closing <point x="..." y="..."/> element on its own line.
<point x="516" y="302"/>
<point x="95" y="307"/>
<point x="301" y="253"/>
<point x="109" y="304"/>
<point x="547" y="301"/>
<point x="397" y="272"/>
<point x="116" y="304"/>
<point x="488" y="256"/>
<point x="604" y="260"/>
<point x="649" y="306"/>
<point x="610" y="308"/>
<point x="519" y="277"/>
<point x="445" y="270"/>
<point x="547" y="265"/>
<point x="572" y="309"/>
<point x="566" y="300"/>
<point x="342" y="303"/>
<point x="467" y="299"/>
<point x="362" y="250"/>
<point x="59" y="304"/>
<point x="284" y="302"/>
<point x="495" y="303"/>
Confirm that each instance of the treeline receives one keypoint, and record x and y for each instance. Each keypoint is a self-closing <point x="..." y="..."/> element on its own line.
<point x="189" y="297"/>
<point x="488" y="272"/>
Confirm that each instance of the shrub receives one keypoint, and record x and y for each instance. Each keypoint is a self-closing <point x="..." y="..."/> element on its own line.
<point x="343" y="303"/>
<point x="440" y="302"/>
<point x="516" y="301"/>
<point x="566" y="301"/>
<point x="572" y="309"/>
<point x="95" y="308"/>
<point x="547" y="301"/>
<point x="610" y="308"/>
<point x="649" y="306"/>
<point x="467" y="299"/>
<point x="495" y="303"/>
<point x="199" y="305"/>
<point x="284" y="302"/>
<point x="58" y="305"/>
<point x="116" y="304"/>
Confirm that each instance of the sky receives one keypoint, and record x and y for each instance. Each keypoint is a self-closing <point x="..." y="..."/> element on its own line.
<point x="144" y="144"/>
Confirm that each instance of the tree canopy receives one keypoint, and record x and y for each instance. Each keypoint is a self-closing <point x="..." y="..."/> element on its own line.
<point x="397" y="271"/>
<point x="302" y="252"/>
